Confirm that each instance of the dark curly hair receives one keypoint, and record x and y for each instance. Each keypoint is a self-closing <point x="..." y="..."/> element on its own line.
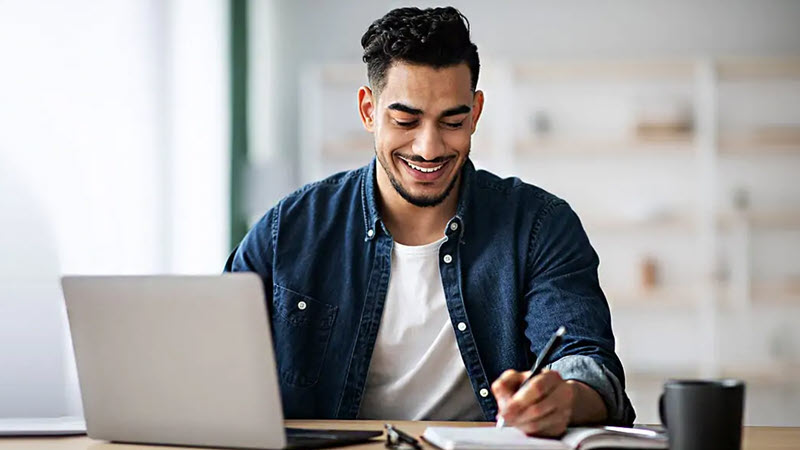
<point x="436" y="37"/>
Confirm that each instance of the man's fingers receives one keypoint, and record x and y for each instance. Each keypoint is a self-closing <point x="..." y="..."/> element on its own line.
<point x="533" y="412"/>
<point x="506" y="385"/>
<point x="551" y="425"/>
<point x="538" y="388"/>
<point x="560" y="399"/>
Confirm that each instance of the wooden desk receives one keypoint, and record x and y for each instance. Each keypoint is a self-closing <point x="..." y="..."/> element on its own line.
<point x="755" y="438"/>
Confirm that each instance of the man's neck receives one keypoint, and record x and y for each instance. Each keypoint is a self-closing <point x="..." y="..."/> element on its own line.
<point x="410" y="224"/>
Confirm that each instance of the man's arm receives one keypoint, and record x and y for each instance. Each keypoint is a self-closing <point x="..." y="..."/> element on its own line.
<point x="255" y="252"/>
<point x="586" y="381"/>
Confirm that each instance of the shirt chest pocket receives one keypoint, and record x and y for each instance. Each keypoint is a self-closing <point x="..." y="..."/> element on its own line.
<point x="301" y="329"/>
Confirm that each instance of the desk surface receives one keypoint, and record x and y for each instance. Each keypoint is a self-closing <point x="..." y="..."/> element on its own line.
<point x="755" y="438"/>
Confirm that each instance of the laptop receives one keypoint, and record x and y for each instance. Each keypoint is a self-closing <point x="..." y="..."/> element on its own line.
<point x="182" y="360"/>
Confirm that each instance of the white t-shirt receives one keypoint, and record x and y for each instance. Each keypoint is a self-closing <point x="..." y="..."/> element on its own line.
<point x="416" y="372"/>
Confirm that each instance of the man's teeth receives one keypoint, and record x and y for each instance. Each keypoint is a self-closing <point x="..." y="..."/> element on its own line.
<point x="423" y="169"/>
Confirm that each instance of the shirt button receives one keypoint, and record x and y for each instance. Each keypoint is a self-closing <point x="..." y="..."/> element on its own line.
<point x="462" y="326"/>
<point x="484" y="392"/>
<point x="301" y="305"/>
<point x="448" y="259"/>
<point x="370" y="232"/>
<point x="454" y="226"/>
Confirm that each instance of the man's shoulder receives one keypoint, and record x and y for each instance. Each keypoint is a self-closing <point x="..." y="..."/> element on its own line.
<point x="327" y="189"/>
<point x="493" y="189"/>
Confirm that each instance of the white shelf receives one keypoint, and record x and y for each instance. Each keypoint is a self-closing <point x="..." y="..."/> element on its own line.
<point x="675" y="145"/>
<point x="619" y="70"/>
<point x="764" y="141"/>
<point x="780" y="292"/>
<point x="764" y="375"/>
<point x="656" y="298"/>
<point x="675" y="223"/>
<point x="761" y="219"/>
<point x="747" y="69"/>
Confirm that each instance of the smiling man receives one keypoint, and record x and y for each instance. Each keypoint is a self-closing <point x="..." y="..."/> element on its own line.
<point x="418" y="287"/>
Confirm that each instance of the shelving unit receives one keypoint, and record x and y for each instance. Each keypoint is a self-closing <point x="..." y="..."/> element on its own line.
<point x="672" y="160"/>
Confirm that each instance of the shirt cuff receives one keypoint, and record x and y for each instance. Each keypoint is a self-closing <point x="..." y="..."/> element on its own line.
<point x="588" y="371"/>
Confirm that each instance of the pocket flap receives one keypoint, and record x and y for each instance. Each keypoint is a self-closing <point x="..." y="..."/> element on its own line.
<point x="299" y="309"/>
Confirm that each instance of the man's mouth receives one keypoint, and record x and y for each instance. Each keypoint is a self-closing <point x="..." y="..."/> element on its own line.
<point x="423" y="169"/>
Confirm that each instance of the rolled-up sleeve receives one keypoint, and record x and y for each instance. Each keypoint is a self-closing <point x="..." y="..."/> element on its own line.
<point x="603" y="381"/>
<point x="563" y="289"/>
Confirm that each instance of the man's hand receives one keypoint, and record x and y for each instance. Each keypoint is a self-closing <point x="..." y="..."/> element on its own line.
<point x="547" y="404"/>
<point x="542" y="408"/>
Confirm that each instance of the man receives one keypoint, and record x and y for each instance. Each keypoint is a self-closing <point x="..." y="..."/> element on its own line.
<point x="418" y="287"/>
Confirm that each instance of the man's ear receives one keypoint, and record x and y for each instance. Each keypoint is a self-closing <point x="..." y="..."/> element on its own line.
<point x="477" y="109"/>
<point x="367" y="105"/>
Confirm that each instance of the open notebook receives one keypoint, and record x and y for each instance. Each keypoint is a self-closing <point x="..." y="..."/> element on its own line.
<point x="451" y="438"/>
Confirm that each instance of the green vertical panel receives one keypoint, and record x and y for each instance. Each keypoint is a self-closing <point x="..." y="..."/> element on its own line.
<point x="238" y="218"/>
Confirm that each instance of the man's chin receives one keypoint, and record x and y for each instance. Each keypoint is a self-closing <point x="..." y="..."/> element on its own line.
<point x="425" y="199"/>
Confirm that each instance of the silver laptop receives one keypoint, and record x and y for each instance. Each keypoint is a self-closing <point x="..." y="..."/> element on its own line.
<point x="181" y="360"/>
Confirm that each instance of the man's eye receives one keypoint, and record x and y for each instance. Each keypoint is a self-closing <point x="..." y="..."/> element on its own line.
<point x="406" y="124"/>
<point x="454" y="125"/>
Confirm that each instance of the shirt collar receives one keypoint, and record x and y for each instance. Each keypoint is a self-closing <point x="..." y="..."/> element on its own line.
<point x="372" y="217"/>
<point x="368" y="200"/>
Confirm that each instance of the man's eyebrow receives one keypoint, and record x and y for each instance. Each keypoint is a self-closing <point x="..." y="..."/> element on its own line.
<point x="405" y="108"/>
<point x="462" y="109"/>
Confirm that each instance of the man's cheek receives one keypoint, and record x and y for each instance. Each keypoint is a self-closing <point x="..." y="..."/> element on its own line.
<point x="459" y="141"/>
<point x="392" y="141"/>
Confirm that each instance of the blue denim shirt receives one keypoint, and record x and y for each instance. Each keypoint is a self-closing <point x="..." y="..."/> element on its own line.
<point x="516" y="263"/>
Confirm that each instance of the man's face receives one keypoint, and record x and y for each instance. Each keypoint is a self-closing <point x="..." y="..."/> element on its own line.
<point x="423" y="121"/>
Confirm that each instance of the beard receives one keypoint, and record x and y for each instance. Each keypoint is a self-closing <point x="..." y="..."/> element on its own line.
<point x="422" y="201"/>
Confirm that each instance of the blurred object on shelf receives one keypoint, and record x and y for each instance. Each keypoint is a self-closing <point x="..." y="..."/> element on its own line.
<point x="740" y="199"/>
<point x="781" y="346"/>
<point x="722" y="273"/>
<point x="664" y="119"/>
<point x="541" y="124"/>
<point x="649" y="273"/>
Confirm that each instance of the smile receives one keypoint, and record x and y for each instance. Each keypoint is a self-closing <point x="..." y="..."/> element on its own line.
<point x="422" y="169"/>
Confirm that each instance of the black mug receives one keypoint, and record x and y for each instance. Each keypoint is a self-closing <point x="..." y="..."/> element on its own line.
<point x="703" y="414"/>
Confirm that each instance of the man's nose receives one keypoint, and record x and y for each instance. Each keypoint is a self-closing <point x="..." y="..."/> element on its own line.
<point x="428" y="143"/>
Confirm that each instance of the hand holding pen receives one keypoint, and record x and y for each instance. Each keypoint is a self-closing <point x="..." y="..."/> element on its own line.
<point x="538" y="402"/>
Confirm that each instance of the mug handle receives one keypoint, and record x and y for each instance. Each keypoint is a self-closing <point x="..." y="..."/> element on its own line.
<point x="661" y="413"/>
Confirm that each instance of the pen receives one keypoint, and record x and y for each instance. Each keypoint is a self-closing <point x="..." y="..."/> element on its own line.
<point x="552" y="344"/>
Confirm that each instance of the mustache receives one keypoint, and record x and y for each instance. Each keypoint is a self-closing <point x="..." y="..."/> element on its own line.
<point x="420" y="159"/>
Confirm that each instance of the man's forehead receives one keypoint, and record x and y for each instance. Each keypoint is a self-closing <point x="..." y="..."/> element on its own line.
<point x="427" y="88"/>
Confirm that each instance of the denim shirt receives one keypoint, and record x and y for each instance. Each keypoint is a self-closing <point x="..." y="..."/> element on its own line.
<point x="515" y="265"/>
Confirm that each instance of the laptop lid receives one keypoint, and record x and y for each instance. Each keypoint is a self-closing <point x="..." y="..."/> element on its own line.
<point x="176" y="359"/>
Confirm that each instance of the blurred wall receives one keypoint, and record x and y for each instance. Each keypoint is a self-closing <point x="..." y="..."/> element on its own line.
<point x="113" y="160"/>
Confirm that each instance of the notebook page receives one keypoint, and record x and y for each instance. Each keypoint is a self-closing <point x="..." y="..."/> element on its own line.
<point x="590" y="438"/>
<point x="451" y="438"/>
